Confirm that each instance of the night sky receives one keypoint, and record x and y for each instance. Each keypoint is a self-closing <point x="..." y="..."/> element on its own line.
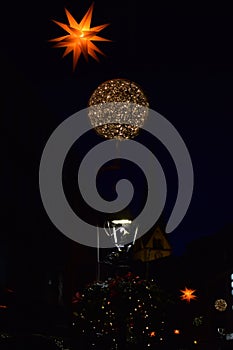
<point x="182" y="57"/>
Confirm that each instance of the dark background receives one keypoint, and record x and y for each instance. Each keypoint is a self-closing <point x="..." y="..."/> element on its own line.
<point x="179" y="53"/>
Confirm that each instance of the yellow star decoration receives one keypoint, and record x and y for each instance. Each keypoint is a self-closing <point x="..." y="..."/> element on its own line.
<point x="80" y="37"/>
<point x="187" y="294"/>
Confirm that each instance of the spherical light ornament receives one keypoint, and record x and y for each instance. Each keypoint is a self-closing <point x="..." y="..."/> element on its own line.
<point x="117" y="109"/>
<point x="220" y="304"/>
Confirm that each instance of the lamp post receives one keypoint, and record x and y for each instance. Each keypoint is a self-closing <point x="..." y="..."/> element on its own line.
<point x="118" y="259"/>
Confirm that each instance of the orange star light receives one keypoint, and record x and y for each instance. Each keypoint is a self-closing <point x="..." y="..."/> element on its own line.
<point x="80" y="37"/>
<point x="187" y="294"/>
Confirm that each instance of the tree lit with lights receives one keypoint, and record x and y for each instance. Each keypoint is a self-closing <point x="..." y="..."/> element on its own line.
<point x="122" y="311"/>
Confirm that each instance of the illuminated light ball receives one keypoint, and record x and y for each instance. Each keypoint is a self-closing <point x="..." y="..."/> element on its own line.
<point x="118" y="109"/>
<point x="220" y="304"/>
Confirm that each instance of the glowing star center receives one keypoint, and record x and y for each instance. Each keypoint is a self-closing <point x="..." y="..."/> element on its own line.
<point x="80" y="37"/>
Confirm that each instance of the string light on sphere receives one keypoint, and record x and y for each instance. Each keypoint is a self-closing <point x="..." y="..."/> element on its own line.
<point x="117" y="109"/>
<point x="220" y="304"/>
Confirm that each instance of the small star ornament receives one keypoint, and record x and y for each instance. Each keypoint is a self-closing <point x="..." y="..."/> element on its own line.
<point x="188" y="294"/>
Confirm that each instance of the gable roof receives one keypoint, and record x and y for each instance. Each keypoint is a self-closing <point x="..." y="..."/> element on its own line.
<point x="151" y="246"/>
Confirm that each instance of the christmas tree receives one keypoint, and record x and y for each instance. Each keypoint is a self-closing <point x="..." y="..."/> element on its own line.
<point x="123" y="312"/>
